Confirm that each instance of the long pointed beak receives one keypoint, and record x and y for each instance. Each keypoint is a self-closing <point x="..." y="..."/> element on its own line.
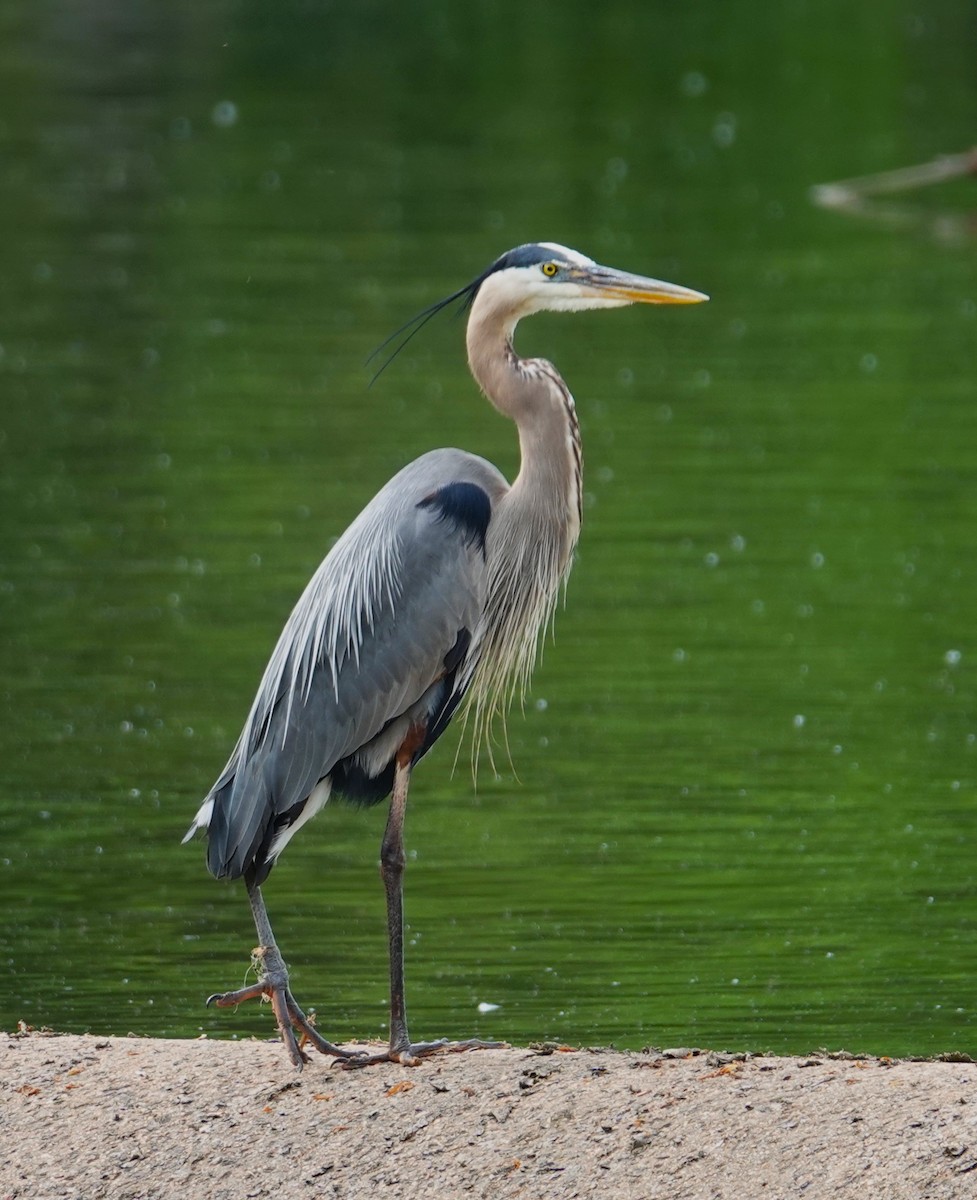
<point x="634" y="289"/>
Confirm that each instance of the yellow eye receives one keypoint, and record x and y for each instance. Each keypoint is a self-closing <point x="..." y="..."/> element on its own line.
<point x="550" y="269"/>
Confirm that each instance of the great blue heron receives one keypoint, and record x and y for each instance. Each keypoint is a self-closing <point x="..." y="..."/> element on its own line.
<point x="438" y="591"/>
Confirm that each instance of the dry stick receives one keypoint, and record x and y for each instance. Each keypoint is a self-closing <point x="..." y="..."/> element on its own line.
<point x="848" y="192"/>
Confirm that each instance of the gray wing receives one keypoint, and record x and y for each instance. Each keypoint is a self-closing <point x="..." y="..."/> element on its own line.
<point x="371" y="646"/>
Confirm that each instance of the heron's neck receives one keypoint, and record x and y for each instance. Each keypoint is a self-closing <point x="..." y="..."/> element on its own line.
<point x="532" y="393"/>
<point x="534" y="526"/>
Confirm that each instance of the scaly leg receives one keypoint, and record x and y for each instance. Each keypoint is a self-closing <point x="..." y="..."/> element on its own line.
<point x="392" y="861"/>
<point x="274" y="984"/>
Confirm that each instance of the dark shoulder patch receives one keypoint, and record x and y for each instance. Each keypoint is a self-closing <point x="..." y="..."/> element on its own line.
<point x="466" y="506"/>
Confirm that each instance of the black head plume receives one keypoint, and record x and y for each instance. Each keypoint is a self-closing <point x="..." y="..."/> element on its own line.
<point x="521" y="256"/>
<point x="417" y="323"/>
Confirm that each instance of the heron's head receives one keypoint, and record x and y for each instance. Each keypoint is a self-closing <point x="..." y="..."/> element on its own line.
<point x="547" y="277"/>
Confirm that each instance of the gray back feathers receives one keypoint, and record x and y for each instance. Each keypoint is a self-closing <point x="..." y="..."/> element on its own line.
<point x="366" y="641"/>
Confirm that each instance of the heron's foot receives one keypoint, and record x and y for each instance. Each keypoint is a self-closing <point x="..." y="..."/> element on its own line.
<point x="409" y="1054"/>
<point x="291" y="1020"/>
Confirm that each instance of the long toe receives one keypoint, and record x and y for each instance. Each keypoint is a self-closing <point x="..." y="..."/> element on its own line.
<point x="257" y="991"/>
<point x="310" y="1035"/>
<point x="411" y="1054"/>
<point x="289" y="1018"/>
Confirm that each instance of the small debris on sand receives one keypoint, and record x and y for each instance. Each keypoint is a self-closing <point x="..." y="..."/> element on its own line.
<point x="105" y="1118"/>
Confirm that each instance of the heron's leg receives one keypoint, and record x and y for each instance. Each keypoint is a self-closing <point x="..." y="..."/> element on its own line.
<point x="392" y="862"/>
<point x="274" y="984"/>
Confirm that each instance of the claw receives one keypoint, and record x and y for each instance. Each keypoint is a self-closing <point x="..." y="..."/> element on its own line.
<point x="256" y="991"/>
<point x="288" y="1016"/>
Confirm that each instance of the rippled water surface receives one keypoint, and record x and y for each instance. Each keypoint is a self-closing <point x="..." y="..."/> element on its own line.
<point x="742" y="806"/>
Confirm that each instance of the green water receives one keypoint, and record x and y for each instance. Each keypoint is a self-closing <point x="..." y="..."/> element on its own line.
<point x="744" y="811"/>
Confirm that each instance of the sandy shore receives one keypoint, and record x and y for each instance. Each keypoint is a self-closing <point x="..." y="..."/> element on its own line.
<point x="83" y="1118"/>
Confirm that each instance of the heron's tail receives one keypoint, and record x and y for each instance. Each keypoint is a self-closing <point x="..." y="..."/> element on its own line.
<point x="201" y="820"/>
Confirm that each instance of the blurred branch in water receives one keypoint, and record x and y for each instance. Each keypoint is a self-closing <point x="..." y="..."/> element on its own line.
<point x="854" y="197"/>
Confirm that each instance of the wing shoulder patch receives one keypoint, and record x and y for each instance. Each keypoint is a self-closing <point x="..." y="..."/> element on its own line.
<point x="466" y="506"/>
